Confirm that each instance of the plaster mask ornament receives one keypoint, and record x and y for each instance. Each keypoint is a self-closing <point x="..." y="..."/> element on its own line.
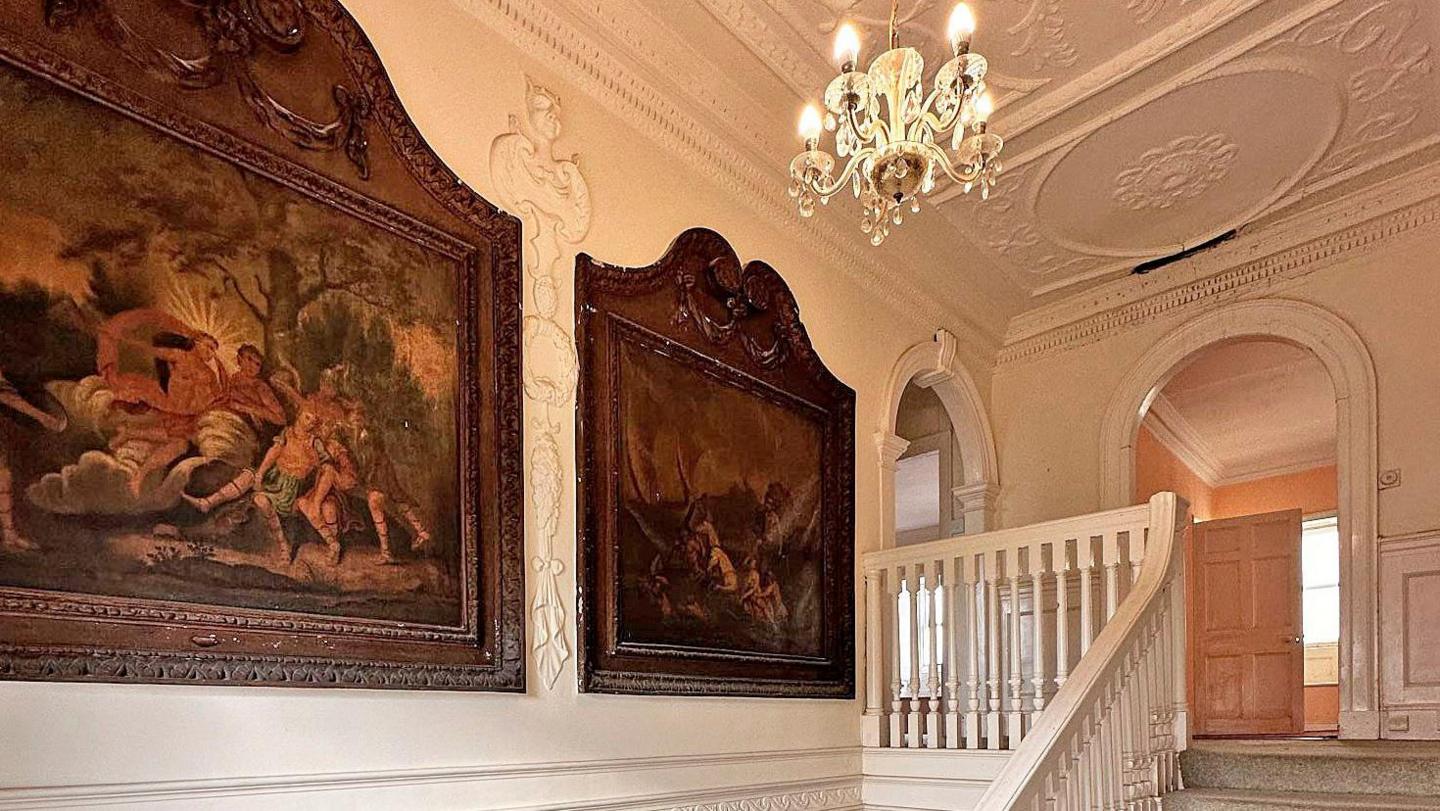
<point x="532" y="181"/>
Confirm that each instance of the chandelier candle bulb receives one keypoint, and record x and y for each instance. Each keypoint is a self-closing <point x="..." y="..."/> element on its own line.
<point x="847" y="47"/>
<point x="960" y="29"/>
<point x="811" y="126"/>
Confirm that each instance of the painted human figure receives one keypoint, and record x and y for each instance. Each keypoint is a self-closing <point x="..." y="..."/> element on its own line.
<point x="10" y="397"/>
<point x="248" y="394"/>
<point x="164" y="375"/>
<point x="760" y="594"/>
<point x="284" y="475"/>
<point x="360" y="467"/>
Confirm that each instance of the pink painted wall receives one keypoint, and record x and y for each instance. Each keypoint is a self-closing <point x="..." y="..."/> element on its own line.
<point x="1157" y="470"/>
<point x="1313" y="491"/>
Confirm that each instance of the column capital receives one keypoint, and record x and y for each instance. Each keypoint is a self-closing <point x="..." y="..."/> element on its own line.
<point x="890" y="447"/>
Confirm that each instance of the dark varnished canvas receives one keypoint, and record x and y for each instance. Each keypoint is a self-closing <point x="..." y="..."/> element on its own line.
<point x="716" y="456"/>
<point x="259" y="416"/>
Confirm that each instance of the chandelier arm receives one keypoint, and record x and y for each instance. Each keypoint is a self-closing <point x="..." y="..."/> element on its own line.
<point x="939" y="125"/>
<point x="869" y="131"/>
<point x="966" y="174"/>
<point x="844" y="177"/>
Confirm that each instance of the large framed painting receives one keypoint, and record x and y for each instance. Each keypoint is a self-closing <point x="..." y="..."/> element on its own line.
<point x="259" y="361"/>
<point x="716" y="455"/>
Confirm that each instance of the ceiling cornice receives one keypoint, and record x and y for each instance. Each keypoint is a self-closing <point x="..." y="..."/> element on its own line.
<point x="1250" y="266"/>
<point x="574" y="53"/>
<point x="1255" y="474"/>
<point x="1171" y="429"/>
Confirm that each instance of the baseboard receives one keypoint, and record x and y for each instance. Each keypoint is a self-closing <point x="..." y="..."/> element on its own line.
<point x="794" y="780"/>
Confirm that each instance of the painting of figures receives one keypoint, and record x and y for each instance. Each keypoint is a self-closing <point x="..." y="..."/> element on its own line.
<point x="716" y="457"/>
<point x="213" y="388"/>
<point x="720" y="531"/>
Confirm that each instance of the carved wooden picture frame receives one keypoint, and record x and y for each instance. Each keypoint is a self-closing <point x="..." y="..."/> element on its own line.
<point x="716" y="458"/>
<point x="293" y="344"/>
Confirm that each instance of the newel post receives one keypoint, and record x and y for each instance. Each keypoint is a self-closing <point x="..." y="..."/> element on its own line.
<point x="1169" y="512"/>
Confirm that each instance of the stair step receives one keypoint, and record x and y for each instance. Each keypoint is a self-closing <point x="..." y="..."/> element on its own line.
<point x="1344" y="767"/>
<point x="1224" y="799"/>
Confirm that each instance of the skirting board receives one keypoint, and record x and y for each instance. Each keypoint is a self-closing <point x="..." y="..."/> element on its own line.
<point x="799" y="780"/>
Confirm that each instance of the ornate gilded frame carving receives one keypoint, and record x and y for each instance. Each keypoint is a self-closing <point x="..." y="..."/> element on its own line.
<point x="231" y="77"/>
<point x="737" y="324"/>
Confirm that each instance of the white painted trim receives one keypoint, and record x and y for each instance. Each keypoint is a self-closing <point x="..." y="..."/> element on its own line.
<point x="379" y="789"/>
<point x="1171" y="429"/>
<point x="1352" y="373"/>
<point x="1255" y="474"/>
<point x="933" y="365"/>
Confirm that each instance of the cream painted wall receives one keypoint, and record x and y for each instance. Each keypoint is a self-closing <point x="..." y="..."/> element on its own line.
<point x="1048" y="412"/>
<point x="460" y="81"/>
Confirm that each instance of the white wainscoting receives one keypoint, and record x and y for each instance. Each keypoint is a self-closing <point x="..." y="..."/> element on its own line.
<point x="1410" y="636"/>
<point x="797" y="780"/>
<point x="928" y="779"/>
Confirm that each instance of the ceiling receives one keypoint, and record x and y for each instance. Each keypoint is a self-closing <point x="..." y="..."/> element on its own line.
<point x="1246" y="410"/>
<point x="1134" y="128"/>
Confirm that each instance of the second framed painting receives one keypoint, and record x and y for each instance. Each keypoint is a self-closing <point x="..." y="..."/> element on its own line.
<point x="717" y="467"/>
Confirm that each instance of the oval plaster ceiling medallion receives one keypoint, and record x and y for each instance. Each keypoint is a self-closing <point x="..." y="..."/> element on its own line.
<point x="1190" y="165"/>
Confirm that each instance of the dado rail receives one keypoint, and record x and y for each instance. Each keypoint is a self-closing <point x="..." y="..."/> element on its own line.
<point x="1062" y="641"/>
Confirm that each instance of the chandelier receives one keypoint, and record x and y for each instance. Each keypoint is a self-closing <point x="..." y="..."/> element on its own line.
<point x="893" y="159"/>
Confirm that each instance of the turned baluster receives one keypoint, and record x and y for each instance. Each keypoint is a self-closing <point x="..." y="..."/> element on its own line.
<point x="973" y="591"/>
<point x="1015" y="720"/>
<point x="955" y="628"/>
<point x="1085" y="560"/>
<point x="1111" y="546"/>
<point x="893" y="582"/>
<point x="935" y="604"/>
<point x="1061" y="566"/>
<point x="914" y="575"/>
<point x="1037" y="627"/>
<point x="992" y="659"/>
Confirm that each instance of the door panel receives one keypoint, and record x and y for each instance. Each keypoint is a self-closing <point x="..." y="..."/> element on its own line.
<point x="1247" y="659"/>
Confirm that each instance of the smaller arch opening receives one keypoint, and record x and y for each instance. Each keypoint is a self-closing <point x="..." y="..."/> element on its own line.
<point x="928" y="471"/>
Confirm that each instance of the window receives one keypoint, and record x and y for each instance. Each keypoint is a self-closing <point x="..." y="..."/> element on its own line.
<point x="1320" y="575"/>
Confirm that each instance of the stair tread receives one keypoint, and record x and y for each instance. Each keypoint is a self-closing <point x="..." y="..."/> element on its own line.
<point x="1390" y="767"/>
<point x="1308" y="799"/>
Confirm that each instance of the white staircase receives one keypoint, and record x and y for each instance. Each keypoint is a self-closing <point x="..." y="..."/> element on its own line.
<point x="1061" y="644"/>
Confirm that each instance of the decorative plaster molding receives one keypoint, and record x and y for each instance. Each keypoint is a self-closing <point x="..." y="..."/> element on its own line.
<point x="891" y="448"/>
<point x="1289" y="250"/>
<point x="1145" y="10"/>
<point x="573" y="51"/>
<point x="1171" y="429"/>
<point x="550" y="196"/>
<point x="843" y="798"/>
<point x="1183" y="169"/>
<point x="1045" y="42"/>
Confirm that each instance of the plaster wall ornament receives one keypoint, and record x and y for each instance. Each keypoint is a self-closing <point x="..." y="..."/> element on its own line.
<point x="1181" y="170"/>
<point x="550" y="196"/>
<point x="827" y="799"/>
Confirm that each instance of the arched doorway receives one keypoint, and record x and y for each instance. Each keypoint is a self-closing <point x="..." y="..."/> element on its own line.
<point x="974" y="486"/>
<point x="1352" y="376"/>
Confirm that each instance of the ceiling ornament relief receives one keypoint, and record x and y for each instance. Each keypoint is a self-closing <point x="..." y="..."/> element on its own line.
<point x="1143" y="11"/>
<point x="1045" y="42"/>
<point x="1183" y="169"/>
<point x="1387" y="63"/>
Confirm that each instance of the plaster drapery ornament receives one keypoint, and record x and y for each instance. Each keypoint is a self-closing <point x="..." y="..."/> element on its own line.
<point x="1181" y="170"/>
<point x="550" y="195"/>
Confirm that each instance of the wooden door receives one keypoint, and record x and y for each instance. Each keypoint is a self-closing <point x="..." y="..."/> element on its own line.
<point x="1247" y="653"/>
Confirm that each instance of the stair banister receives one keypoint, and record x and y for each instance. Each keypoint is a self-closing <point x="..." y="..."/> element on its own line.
<point x="1111" y="734"/>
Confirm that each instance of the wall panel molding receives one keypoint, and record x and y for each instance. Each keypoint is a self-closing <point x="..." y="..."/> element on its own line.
<point x="821" y="779"/>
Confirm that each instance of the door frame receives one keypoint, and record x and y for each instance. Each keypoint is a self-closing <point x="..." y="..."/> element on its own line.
<point x="1352" y="375"/>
